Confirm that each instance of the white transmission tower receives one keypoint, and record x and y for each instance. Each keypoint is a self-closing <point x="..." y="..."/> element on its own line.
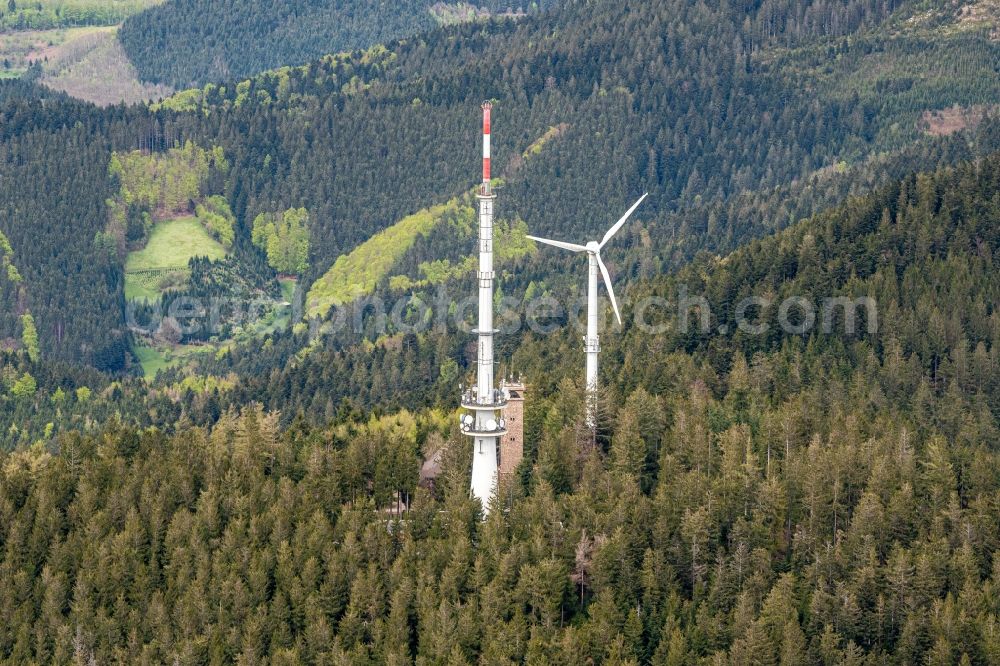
<point x="484" y="425"/>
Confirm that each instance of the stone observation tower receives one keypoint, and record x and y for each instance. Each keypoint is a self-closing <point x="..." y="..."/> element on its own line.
<point x="512" y="443"/>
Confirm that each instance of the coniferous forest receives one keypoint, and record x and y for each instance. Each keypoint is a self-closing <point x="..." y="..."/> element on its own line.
<point x="825" y="492"/>
<point x="172" y="42"/>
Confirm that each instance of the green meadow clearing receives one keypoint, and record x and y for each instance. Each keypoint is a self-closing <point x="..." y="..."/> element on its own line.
<point x="152" y="360"/>
<point x="156" y="358"/>
<point x="172" y="243"/>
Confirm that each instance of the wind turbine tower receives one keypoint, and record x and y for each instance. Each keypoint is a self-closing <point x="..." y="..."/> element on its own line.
<point x="484" y="425"/>
<point x="592" y="343"/>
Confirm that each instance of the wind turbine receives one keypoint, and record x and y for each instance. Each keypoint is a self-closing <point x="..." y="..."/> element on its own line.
<point x="592" y="344"/>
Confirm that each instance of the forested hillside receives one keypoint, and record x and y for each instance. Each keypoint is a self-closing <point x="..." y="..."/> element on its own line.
<point x="47" y="14"/>
<point x="186" y="43"/>
<point x="750" y="499"/>
<point x="821" y="495"/>
<point x="760" y="133"/>
<point x="53" y="189"/>
<point x="407" y="375"/>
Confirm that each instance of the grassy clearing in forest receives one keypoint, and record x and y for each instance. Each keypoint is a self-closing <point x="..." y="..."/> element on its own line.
<point x="154" y="359"/>
<point x="288" y="288"/>
<point x="172" y="243"/>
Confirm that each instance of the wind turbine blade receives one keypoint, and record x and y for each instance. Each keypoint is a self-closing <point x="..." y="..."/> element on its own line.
<point x="611" y="291"/>
<point x="618" y="225"/>
<point x="572" y="247"/>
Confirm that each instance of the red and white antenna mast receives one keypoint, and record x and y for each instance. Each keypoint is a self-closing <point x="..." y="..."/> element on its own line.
<point x="487" y="109"/>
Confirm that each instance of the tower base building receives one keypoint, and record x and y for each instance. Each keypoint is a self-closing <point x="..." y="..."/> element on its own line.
<point x="512" y="442"/>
